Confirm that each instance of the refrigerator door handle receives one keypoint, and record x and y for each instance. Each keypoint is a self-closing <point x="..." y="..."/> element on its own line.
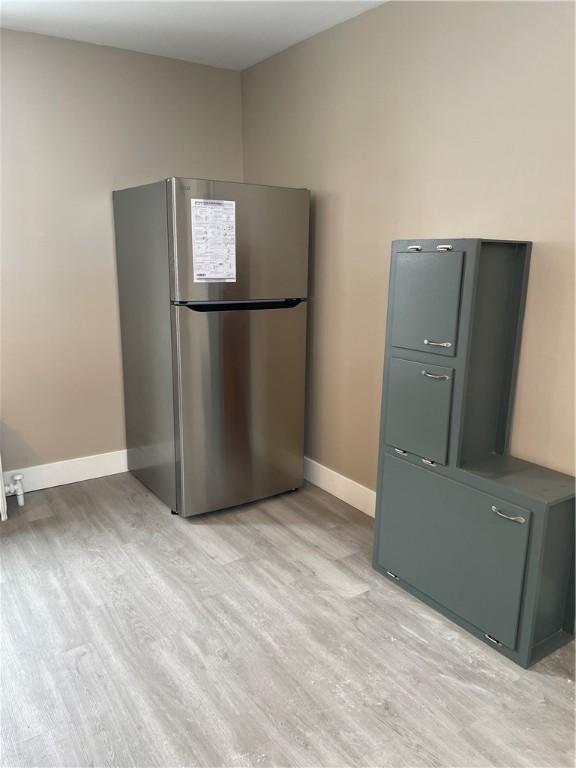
<point x="223" y="306"/>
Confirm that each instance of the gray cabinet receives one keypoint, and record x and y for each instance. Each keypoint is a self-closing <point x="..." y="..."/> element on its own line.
<point x="426" y="290"/>
<point x="418" y="408"/>
<point x="461" y="547"/>
<point x="485" y="538"/>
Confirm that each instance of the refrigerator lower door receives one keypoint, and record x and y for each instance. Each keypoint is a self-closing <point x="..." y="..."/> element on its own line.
<point x="240" y="401"/>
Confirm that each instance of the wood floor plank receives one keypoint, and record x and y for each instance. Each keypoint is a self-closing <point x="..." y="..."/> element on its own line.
<point x="259" y="636"/>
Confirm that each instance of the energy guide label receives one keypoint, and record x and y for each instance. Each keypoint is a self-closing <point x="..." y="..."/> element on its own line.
<point x="214" y="240"/>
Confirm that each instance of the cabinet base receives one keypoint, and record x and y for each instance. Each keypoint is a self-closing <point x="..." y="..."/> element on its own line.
<point x="523" y="659"/>
<point x="549" y="645"/>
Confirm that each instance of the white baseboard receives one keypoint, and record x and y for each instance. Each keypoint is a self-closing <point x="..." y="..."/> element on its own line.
<point x="340" y="486"/>
<point x="103" y="464"/>
<point x="71" y="471"/>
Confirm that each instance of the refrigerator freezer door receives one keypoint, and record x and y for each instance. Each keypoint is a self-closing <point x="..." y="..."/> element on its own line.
<point x="271" y="235"/>
<point x="241" y="404"/>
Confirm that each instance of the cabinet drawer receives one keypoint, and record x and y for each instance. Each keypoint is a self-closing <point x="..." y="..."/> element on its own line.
<point x="426" y="295"/>
<point x="418" y="403"/>
<point x="461" y="547"/>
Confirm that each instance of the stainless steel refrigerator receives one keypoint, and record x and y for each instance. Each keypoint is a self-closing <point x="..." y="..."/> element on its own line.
<point x="212" y="284"/>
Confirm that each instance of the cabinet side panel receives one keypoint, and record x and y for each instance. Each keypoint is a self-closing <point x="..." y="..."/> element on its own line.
<point x="494" y="346"/>
<point x="140" y="218"/>
<point x="557" y="575"/>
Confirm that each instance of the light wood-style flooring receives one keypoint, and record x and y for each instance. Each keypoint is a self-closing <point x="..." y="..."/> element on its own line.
<point x="259" y="636"/>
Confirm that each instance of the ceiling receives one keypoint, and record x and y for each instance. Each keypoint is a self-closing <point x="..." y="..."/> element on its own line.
<point x="222" y="33"/>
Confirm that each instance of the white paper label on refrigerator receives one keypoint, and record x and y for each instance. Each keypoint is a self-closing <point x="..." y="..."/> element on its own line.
<point x="214" y="240"/>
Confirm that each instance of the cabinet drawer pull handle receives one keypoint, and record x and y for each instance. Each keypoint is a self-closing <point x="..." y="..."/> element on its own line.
<point x="492" y="639"/>
<point x="446" y="344"/>
<point x="429" y="462"/>
<point x="400" y="451"/>
<point x="392" y="575"/>
<point x="444" y="247"/>
<point x="514" y="518"/>
<point x="414" y="247"/>
<point x="437" y="376"/>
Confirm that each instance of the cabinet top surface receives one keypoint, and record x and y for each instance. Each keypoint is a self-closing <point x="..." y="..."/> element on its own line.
<point x="525" y="478"/>
<point x="456" y="242"/>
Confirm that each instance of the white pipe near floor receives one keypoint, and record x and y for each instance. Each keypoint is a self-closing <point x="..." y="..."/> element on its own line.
<point x="3" y="505"/>
<point x="14" y="486"/>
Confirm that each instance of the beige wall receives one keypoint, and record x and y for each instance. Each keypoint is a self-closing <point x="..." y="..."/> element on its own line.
<point x="78" y="121"/>
<point x="413" y="120"/>
<point x="425" y="120"/>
